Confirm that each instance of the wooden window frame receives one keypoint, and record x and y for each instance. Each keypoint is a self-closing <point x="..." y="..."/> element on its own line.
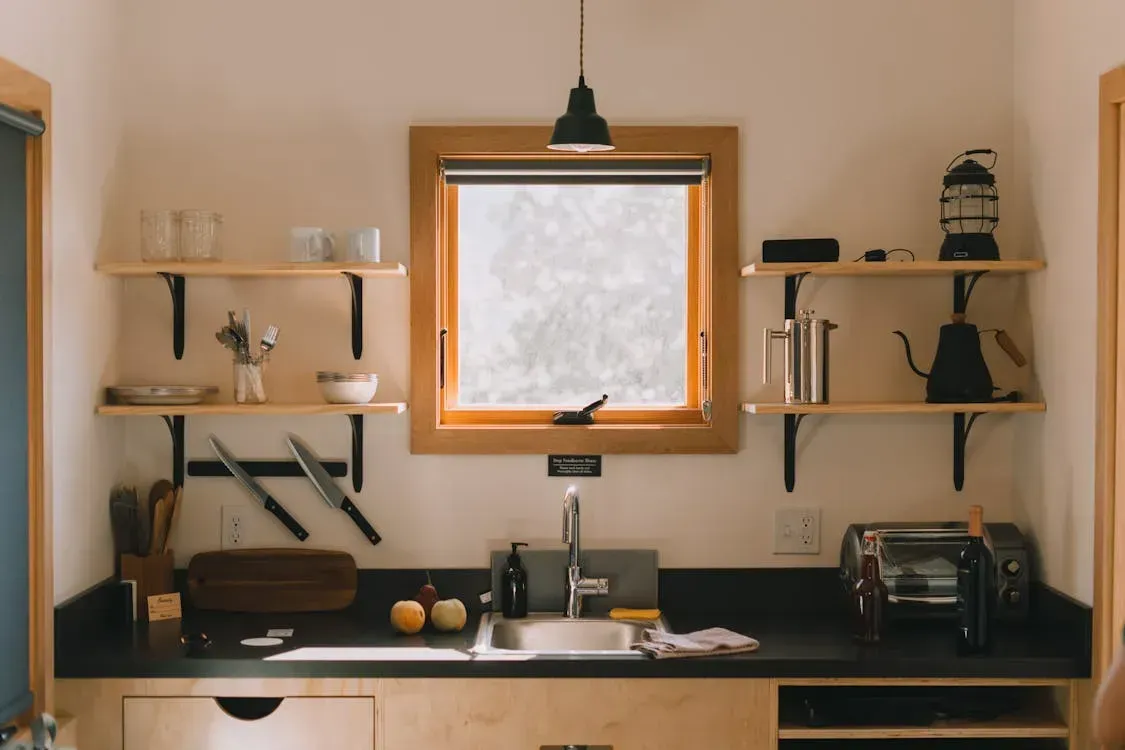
<point x="435" y="429"/>
<point x="24" y="90"/>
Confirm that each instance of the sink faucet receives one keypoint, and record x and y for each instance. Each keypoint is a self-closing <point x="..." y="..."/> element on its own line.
<point x="577" y="586"/>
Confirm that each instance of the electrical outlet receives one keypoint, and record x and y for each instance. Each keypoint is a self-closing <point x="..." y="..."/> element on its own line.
<point x="234" y="526"/>
<point x="796" y="531"/>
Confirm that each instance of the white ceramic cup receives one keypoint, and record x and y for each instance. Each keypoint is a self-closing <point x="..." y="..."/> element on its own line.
<point x="363" y="245"/>
<point x="310" y="245"/>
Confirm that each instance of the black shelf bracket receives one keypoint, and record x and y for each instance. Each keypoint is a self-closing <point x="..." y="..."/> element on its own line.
<point x="961" y="430"/>
<point x="176" y="426"/>
<point x="355" y="281"/>
<point x="792" y="424"/>
<point x="792" y="421"/>
<point x="357" y="451"/>
<point x="962" y="291"/>
<point x="792" y="287"/>
<point x="177" y="285"/>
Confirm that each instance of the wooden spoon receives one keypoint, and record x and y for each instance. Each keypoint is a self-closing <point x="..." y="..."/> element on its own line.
<point x="160" y="520"/>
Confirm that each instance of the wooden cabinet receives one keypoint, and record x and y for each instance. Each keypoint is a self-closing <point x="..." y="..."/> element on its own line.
<point x="160" y="723"/>
<point x="526" y="714"/>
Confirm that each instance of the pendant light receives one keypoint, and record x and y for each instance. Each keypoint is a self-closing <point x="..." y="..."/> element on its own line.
<point x="581" y="129"/>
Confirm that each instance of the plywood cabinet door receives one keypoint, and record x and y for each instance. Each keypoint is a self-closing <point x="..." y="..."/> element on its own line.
<point x="528" y="714"/>
<point x="296" y="724"/>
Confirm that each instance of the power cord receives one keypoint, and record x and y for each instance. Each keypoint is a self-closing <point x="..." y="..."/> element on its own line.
<point x="879" y="256"/>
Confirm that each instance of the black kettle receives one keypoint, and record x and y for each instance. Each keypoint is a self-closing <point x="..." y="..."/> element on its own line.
<point x="959" y="374"/>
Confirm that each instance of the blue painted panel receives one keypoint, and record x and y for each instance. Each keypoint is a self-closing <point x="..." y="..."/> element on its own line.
<point x="15" y="695"/>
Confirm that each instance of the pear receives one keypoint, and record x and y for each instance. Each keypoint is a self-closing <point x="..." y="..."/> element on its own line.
<point x="427" y="596"/>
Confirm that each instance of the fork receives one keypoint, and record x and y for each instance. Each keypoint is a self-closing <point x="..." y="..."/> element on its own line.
<point x="269" y="339"/>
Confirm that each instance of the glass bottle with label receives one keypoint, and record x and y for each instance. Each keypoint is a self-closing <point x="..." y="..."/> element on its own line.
<point x="869" y="595"/>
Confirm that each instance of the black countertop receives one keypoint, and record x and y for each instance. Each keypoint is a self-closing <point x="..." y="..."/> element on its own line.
<point x="359" y="642"/>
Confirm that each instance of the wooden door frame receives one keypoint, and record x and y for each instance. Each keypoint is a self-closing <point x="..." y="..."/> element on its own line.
<point x="1109" y="415"/>
<point x="24" y="90"/>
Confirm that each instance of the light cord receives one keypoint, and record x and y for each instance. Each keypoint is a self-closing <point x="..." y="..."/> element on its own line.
<point x="581" y="39"/>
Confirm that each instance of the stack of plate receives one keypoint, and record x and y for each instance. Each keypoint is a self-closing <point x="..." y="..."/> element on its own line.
<point x="160" y="395"/>
<point x="346" y="387"/>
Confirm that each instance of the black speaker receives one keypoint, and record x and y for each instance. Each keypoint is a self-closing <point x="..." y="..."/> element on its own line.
<point x="801" y="251"/>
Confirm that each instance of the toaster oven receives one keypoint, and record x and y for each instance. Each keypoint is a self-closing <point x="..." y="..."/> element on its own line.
<point x="918" y="562"/>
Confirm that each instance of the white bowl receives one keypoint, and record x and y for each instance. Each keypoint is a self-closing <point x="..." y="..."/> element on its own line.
<point x="355" y="392"/>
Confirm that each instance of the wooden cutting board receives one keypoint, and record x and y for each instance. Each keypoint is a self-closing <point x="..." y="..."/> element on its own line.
<point x="272" y="580"/>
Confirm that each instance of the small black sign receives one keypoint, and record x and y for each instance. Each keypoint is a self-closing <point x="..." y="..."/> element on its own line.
<point x="574" y="466"/>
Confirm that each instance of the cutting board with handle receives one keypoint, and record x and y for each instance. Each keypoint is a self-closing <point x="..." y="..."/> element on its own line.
<point x="272" y="580"/>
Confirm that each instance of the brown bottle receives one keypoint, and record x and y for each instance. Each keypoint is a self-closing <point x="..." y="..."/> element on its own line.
<point x="869" y="595"/>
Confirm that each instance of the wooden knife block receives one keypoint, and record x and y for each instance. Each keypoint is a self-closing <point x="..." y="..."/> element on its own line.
<point x="153" y="575"/>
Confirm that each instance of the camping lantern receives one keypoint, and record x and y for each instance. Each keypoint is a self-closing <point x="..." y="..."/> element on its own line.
<point x="969" y="209"/>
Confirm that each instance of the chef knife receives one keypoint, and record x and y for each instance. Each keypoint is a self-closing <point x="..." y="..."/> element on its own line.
<point x="256" y="490"/>
<point x="328" y="489"/>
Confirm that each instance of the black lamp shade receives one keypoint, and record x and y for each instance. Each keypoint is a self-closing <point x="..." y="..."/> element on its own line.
<point x="581" y="129"/>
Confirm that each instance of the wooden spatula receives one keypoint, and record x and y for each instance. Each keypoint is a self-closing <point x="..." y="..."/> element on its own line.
<point x="159" y="525"/>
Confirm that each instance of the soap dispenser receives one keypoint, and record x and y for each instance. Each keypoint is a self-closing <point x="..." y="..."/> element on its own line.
<point x="513" y="597"/>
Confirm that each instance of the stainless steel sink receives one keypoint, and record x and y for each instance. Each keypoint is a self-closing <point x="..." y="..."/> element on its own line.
<point x="551" y="634"/>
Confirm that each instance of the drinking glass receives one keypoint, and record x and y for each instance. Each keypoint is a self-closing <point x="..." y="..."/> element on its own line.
<point x="199" y="235"/>
<point x="160" y="235"/>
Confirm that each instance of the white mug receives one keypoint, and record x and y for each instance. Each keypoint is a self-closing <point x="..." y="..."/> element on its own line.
<point x="310" y="245"/>
<point x="363" y="245"/>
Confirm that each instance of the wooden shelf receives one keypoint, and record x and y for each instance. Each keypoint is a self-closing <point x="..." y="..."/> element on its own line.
<point x="253" y="270"/>
<point x="892" y="407"/>
<point x="251" y="410"/>
<point x="893" y="268"/>
<point x="1005" y="727"/>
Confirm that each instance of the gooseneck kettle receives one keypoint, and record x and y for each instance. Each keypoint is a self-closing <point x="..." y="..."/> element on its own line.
<point x="959" y="374"/>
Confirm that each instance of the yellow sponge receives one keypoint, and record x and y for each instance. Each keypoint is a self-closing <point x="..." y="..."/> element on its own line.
<point x="620" y="613"/>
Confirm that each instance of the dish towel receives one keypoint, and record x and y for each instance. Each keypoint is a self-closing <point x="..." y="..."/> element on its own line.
<point x="709" y="642"/>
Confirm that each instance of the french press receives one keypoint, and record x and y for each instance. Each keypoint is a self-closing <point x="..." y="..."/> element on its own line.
<point x="806" y="357"/>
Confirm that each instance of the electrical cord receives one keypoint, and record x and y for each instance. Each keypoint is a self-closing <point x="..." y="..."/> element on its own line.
<point x="878" y="256"/>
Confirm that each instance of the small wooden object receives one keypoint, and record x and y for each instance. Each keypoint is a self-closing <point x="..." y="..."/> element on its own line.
<point x="153" y="575"/>
<point x="164" y="607"/>
<point x="272" y="580"/>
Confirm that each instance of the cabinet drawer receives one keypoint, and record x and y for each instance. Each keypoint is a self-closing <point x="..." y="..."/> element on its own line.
<point x="295" y="724"/>
<point x="528" y="714"/>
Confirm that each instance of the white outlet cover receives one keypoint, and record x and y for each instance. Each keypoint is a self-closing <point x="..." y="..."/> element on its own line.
<point x="796" y="531"/>
<point x="232" y="532"/>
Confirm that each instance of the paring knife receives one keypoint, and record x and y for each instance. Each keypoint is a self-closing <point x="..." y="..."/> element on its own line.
<point x="256" y="490"/>
<point x="328" y="489"/>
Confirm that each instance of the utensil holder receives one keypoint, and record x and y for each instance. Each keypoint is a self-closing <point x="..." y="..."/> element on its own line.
<point x="153" y="575"/>
<point x="249" y="383"/>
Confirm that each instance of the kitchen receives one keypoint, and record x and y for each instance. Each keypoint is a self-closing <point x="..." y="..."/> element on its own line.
<point x="306" y="121"/>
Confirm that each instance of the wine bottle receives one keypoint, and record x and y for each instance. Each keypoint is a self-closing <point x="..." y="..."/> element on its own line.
<point x="976" y="589"/>
<point x="869" y="595"/>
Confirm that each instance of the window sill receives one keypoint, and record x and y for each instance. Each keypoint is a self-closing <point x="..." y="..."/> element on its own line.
<point x="718" y="437"/>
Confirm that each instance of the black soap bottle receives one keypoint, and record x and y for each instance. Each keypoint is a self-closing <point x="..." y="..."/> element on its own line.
<point x="513" y="596"/>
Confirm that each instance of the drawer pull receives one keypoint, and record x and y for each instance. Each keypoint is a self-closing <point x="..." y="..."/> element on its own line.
<point x="576" y="747"/>
<point x="248" y="709"/>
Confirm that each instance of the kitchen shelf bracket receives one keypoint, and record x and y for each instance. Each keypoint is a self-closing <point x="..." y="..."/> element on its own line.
<point x="177" y="285"/>
<point x="356" y="421"/>
<point x="961" y="430"/>
<point x="792" y="424"/>
<point x="176" y="426"/>
<point x="792" y="287"/>
<point x="355" y="282"/>
<point x="962" y="291"/>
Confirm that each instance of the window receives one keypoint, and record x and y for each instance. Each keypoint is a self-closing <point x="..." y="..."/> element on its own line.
<point x="542" y="282"/>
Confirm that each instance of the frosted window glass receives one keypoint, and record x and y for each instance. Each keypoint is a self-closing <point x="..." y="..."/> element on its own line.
<point x="566" y="292"/>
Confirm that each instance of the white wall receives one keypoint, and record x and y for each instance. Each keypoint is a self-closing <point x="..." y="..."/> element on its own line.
<point x="1060" y="50"/>
<point x="73" y="44"/>
<point x="287" y="113"/>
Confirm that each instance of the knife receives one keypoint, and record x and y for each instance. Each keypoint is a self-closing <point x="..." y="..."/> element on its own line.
<point x="328" y="489"/>
<point x="256" y="490"/>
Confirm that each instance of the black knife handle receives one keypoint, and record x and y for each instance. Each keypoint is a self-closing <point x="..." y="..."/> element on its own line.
<point x="368" y="530"/>
<point x="297" y="529"/>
